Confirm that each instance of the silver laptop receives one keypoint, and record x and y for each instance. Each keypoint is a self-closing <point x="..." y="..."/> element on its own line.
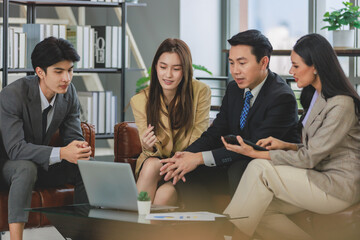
<point x="111" y="185"/>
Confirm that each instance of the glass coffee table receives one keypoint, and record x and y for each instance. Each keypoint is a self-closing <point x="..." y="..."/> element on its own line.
<point x="83" y="222"/>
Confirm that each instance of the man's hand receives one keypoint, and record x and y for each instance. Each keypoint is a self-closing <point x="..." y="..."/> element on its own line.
<point x="76" y="150"/>
<point x="180" y="164"/>
<point x="245" y="149"/>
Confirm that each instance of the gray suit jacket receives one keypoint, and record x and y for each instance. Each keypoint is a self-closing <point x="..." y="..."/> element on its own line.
<point x="21" y="121"/>
<point x="331" y="148"/>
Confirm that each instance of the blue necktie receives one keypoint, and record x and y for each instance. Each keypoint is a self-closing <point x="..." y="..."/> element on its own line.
<point x="245" y="109"/>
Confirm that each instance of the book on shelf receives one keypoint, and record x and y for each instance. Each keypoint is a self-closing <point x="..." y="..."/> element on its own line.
<point x="1" y="46"/>
<point x="108" y="102"/>
<point x="17" y="31"/>
<point x="95" y="110"/>
<point x="11" y="48"/>
<point x="119" y="46"/>
<point x="22" y="50"/>
<point x="55" y="30"/>
<point x="113" y="113"/>
<point x="101" y="111"/>
<point x="15" y="51"/>
<point x="102" y="44"/>
<point x="62" y="31"/>
<point x="75" y="36"/>
<point x="48" y="31"/>
<point x="85" y="99"/>
<point x="34" y="35"/>
<point x="92" y="47"/>
<point x="16" y="47"/>
<point x="114" y="46"/>
<point x="108" y="47"/>
<point x="86" y="47"/>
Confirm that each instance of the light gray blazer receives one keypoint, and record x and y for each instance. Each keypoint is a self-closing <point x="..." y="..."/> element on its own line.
<point x="21" y="121"/>
<point x="331" y="148"/>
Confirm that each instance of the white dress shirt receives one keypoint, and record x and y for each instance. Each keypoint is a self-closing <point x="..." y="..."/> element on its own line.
<point x="207" y="155"/>
<point x="55" y="153"/>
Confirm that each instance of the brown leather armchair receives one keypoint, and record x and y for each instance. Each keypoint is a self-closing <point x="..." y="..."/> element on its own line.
<point x="46" y="197"/>
<point x="342" y="225"/>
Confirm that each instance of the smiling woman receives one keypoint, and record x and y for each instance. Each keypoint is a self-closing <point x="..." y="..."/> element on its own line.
<point x="169" y="72"/>
<point x="170" y="114"/>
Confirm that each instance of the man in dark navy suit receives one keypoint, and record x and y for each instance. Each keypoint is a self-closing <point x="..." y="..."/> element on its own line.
<point x="256" y="105"/>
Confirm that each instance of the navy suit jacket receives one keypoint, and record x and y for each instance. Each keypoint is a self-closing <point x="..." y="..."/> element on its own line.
<point x="274" y="113"/>
<point x="21" y="121"/>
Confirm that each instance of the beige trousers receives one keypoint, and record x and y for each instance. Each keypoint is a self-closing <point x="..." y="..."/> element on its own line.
<point x="267" y="193"/>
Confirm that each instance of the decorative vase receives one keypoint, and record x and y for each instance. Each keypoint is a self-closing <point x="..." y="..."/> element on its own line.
<point x="144" y="207"/>
<point x="343" y="38"/>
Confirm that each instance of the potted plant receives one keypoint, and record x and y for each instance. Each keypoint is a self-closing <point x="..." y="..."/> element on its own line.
<point x="338" y="19"/>
<point x="143" y="82"/>
<point x="143" y="203"/>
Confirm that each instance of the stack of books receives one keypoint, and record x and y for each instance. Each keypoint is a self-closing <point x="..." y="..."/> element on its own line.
<point x="100" y="109"/>
<point x="98" y="46"/>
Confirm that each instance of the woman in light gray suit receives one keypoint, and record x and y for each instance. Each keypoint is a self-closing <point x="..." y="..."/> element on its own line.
<point x="323" y="173"/>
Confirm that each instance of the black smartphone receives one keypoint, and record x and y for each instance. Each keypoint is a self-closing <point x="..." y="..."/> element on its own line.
<point x="231" y="139"/>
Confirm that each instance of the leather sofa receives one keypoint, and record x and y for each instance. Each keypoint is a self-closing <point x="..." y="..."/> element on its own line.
<point x="342" y="225"/>
<point x="46" y="197"/>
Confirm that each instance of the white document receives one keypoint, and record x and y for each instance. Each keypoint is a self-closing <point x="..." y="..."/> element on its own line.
<point x="184" y="216"/>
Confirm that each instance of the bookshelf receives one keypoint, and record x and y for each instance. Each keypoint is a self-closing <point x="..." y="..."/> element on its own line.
<point x="32" y="5"/>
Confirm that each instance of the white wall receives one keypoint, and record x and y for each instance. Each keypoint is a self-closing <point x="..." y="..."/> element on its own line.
<point x="200" y="29"/>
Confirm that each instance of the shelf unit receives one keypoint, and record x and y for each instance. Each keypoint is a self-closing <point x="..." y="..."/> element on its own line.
<point x="31" y="17"/>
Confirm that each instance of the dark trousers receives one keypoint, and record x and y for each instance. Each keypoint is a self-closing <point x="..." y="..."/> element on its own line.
<point x="204" y="182"/>
<point x="22" y="175"/>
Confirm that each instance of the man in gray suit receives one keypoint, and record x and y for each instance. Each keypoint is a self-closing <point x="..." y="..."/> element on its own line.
<point x="32" y="109"/>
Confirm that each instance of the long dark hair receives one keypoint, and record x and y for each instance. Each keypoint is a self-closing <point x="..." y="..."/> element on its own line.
<point x="180" y="108"/>
<point x="316" y="51"/>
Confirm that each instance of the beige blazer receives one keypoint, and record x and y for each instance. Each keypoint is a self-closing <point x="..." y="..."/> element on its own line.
<point x="166" y="144"/>
<point x="331" y="148"/>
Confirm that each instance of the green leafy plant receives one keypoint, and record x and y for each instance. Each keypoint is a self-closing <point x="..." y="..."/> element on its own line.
<point x="143" y="196"/>
<point x="143" y="82"/>
<point x="347" y="16"/>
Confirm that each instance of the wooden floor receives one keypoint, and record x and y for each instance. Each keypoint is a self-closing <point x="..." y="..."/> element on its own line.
<point x="44" y="233"/>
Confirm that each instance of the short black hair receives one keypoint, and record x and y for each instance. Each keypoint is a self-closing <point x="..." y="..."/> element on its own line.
<point x="52" y="50"/>
<point x="260" y="44"/>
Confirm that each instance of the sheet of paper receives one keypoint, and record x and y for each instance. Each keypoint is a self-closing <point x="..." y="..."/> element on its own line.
<point x="184" y="216"/>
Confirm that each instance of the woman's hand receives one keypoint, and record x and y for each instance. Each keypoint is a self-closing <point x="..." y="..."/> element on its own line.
<point x="243" y="149"/>
<point x="272" y="143"/>
<point x="148" y="139"/>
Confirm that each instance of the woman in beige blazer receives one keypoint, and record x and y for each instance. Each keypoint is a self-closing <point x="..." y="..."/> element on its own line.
<point x="323" y="173"/>
<point x="170" y="114"/>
